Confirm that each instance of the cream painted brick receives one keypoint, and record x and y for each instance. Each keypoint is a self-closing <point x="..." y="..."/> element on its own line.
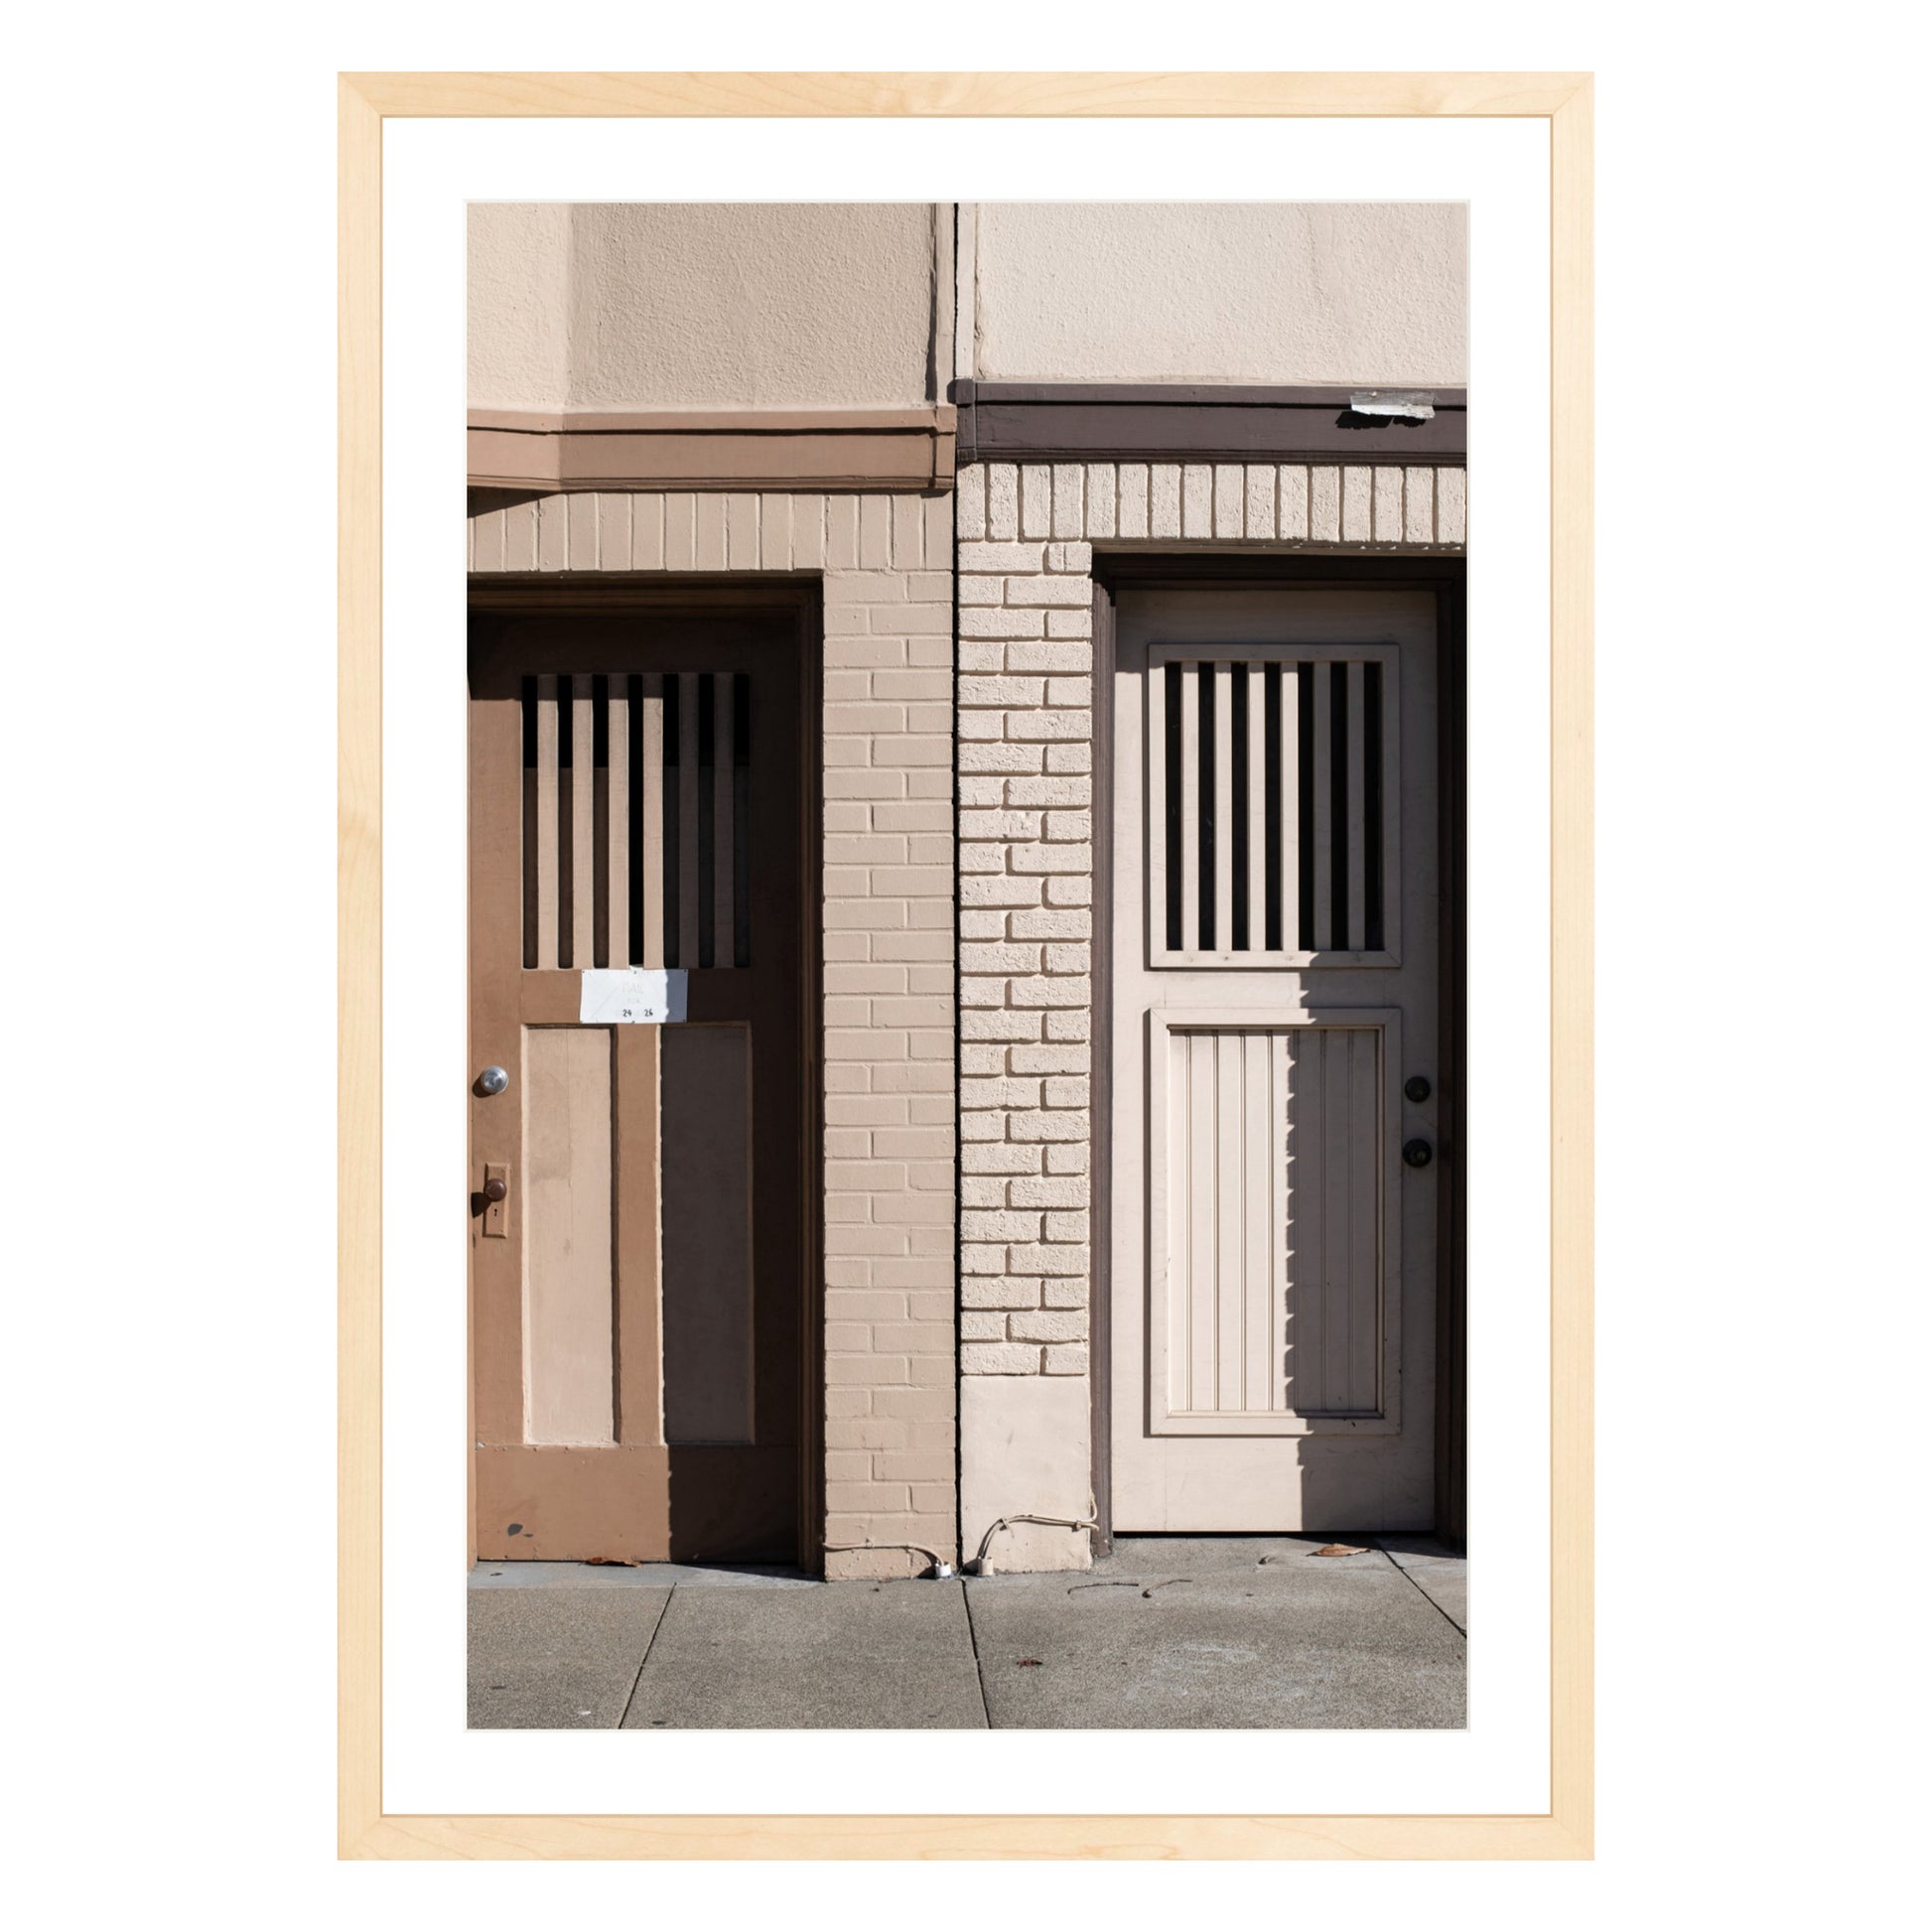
<point x="1292" y="512"/>
<point x="1067" y="592"/>
<point x="993" y="1156"/>
<point x="553" y="532"/>
<point x="971" y="500"/>
<point x="1324" y="504"/>
<point x="1002" y="557"/>
<point x="1035" y="499"/>
<point x="1001" y="1292"/>
<point x="975" y="957"/>
<point x="1002" y="500"/>
<point x="1073" y="923"/>
<point x="981" y="824"/>
<point x="1066" y="655"/>
<point x="1064" y="1292"/>
<point x="1101" y="489"/>
<point x="1001" y="690"/>
<point x="1418" y="504"/>
<point x="1043" y="1191"/>
<point x="1046" y="1125"/>
<point x="1163" y="499"/>
<point x="1067" y="1358"/>
<point x="1070" y="691"/>
<point x="1044" y="1324"/>
<point x="1133" y="504"/>
<point x="1037" y="724"/>
<point x="1030" y="858"/>
<point x="1069" y="957"/>
<point x="1070" y="624"/>
<point x="981" y="1324"/>
<point x="991" y="1224"/>
<point x="1387" y="511"/>
<point x="1046" y="1258"/>
<point x="1000" y="758"/>
<point x="1452" y="505"/>
<point x="998" y="1026"/>
<point x="990" y="1358"/>
<point x="1357" y="494"/>
<point x="1070" y="557"/>
<point x="1069" y="1159"/>
<point x="875" y="532"/>
<point x="1049" y="791"/>
<point x="1229" y="488"/>
<point x="982" y="590"/>
<point x="914" y="621"/>
<point x="1070" y="499"/>
<point x="1069" y="758"/>
<point x="1003" y="623"/>
<point x="1068" y="1026"/>
<point x="1196" y="499"/>
<point x="1259" y="509"/>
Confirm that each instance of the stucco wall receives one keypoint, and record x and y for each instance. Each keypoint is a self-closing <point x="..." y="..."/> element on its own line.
<point x="708" y="304"/>
<point x="1199" y="292"/>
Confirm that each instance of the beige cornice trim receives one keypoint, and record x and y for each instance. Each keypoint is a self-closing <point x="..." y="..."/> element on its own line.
<point x="709" y="448"/>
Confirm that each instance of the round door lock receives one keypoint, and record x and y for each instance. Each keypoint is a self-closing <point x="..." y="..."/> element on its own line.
<point x="1418" y="1154"/>
<point x="1416" y="1089"/>
<point x="495" y="1188"/>
<point x="491" y="1080"/>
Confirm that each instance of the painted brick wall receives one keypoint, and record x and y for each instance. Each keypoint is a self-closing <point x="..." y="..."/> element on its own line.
<point x="889" y="1013"/>
<point x="1027" y="536"/>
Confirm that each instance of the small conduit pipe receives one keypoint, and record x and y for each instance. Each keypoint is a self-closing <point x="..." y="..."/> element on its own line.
<point x="939" y="1567"/>
<point x="982" y="1564"/>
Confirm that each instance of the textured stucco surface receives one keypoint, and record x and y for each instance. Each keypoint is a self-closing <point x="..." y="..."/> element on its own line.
<point x="520" y="305"/>
<point x="1231" y="292"/>
<point x="701" y="305"/>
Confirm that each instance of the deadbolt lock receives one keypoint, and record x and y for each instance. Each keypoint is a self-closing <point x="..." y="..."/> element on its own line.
<point x="1416" y="1089"/>
<point x="1418" y="1154"/>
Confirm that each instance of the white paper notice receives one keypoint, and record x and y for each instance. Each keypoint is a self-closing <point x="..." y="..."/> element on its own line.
<point x="633" y="996"/>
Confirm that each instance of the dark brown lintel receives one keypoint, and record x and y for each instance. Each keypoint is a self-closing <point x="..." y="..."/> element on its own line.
<point x="791" y="450"/>
<point x="1198" y="422"/>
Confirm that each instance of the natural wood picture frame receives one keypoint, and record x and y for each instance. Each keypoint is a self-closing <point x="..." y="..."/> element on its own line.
<point x="365" y="1830"/>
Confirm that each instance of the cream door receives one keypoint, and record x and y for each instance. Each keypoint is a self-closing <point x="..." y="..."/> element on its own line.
<point x="1274" y="989"/>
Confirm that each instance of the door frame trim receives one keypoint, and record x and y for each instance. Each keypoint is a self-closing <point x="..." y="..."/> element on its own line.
<point x="771" y="596"/>
<point x="1446" y="577"/>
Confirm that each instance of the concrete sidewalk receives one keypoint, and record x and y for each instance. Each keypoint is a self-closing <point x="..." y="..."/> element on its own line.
<point x="1169" y="1632"/>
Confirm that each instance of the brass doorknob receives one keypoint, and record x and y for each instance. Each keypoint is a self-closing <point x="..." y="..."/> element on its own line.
<point x="495" y="1188"/>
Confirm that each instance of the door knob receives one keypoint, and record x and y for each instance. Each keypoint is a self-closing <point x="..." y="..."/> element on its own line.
<point x="1416" y="1089"/>
<point x="495" y="1191"/>
<point x="1418" y="1154"/>
<point x="491" y="1080"/>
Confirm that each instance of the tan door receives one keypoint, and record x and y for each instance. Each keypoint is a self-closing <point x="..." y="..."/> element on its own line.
<point x="1275" y="990"/>
<point x="637" y="800"/>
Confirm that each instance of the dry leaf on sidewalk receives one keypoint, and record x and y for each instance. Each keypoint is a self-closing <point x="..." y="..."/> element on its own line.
<point x="1340" y="1550"/>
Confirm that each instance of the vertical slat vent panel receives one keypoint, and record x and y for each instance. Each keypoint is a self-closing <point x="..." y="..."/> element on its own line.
<point x="636" y="821"/>
<point x="1272" y="811"/>
<point x="1269" y="1149"/>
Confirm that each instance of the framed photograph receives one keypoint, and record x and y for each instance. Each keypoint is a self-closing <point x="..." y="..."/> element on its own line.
<point x="965" y="966"/>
